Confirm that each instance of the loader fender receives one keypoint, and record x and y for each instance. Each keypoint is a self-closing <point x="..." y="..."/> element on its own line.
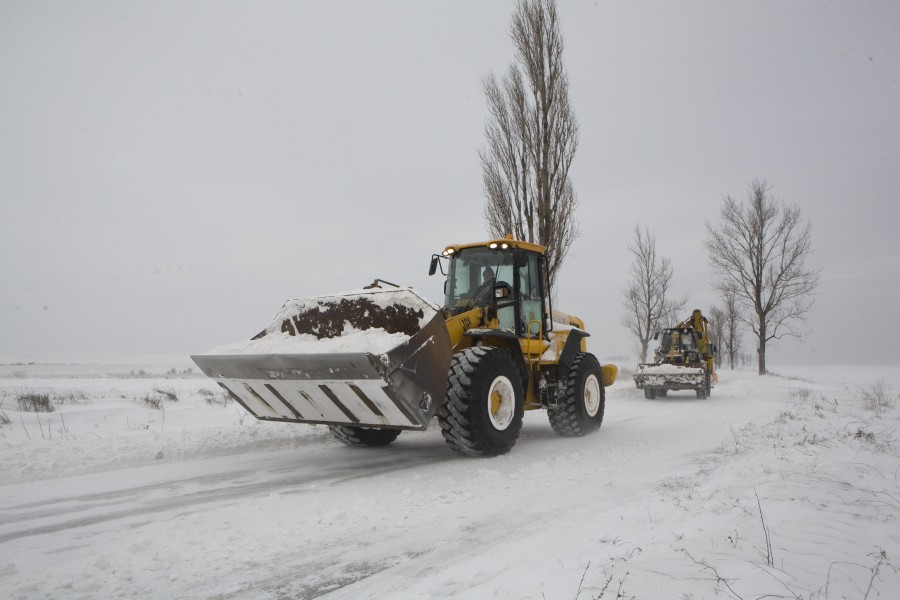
<point x="572" y="348"/>
<point x="504" y="339"/>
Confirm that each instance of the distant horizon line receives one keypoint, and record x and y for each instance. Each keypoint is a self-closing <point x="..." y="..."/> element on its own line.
<point x="185" y="360"/>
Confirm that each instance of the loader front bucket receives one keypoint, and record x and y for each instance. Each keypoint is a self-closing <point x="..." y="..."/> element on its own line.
<point x="373" y="358"/>
<point x="673" y="377"/>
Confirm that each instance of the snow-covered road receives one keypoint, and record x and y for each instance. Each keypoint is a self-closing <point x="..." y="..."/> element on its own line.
<point x="673" y="498"/>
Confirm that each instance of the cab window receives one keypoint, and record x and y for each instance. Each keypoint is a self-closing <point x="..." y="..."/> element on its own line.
<point x="472" y="276"/>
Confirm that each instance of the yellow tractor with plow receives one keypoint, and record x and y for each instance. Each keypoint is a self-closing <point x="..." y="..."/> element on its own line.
<point x="377" y="361"/>
<point x="684" y="360"/>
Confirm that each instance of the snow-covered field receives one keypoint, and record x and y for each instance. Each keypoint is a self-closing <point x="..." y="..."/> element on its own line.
<point x="782" y="486"/>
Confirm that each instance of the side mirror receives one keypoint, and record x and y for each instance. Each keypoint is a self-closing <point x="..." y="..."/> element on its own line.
<point x="501" y="291"/>
<point x="655" y="335"/>
<point x="434" y="264"/>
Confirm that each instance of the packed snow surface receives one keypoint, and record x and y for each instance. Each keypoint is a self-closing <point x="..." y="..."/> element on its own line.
<point x="154" y="485"/>
<point x="374" y="340"/>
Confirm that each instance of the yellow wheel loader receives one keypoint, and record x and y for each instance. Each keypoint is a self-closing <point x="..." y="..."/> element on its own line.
<point x="374" y="362"/>
<point x="684" y="360"/>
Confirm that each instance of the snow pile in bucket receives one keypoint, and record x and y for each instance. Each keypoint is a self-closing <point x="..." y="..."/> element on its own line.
<point x="373" y="321"/>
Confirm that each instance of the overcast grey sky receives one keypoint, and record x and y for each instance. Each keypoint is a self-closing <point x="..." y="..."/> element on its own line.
<point x="171" y="172"/>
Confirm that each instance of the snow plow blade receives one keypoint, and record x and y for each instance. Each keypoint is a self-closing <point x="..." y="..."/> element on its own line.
<point x="373" y="358"/>
<point x="673" y="377"/>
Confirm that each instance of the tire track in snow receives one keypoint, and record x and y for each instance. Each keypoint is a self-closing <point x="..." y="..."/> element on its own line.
<point x="61" y="509"/>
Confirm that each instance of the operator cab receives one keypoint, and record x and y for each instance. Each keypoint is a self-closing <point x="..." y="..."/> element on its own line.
<point x="505" y="274"/>
<point x="679" y="346"/>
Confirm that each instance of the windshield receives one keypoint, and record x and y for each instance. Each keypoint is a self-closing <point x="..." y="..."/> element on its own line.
<point x="687" y="342"/>
<point x="666" y="343"/>
<point x="473" y="272"/>
<point x="678" y="339"/>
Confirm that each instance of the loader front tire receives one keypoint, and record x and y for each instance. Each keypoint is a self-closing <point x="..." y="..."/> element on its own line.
<point x="363" y="436"/>
<point x="482" y="415"/>
<point x="579" y="410"/>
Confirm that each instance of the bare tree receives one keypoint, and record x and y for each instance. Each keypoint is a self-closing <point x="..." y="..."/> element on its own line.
<point x="648" y="305"/>
<point x="731" y="328"/>
<point x="726" y="329"/>
<point x="759" y="252"/>
<point x="716" y="321"/>
<point x="532" y="136"/>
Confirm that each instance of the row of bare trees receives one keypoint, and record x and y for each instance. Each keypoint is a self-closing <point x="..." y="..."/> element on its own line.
<point x="726" y="325"/>
<point x="758" y="254"/>
<point x="758" y="250"/>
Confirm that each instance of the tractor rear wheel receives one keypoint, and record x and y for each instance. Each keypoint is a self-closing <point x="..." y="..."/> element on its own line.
<point x="580" y="408"/>
<point x="363" y="436"/>
<point x="482" y="415"/>
<point x="703" y="391"/>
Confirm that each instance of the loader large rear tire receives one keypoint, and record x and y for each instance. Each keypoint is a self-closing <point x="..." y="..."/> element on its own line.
<point x="482" y="415"/>
<point x="363" y="436"/>
<point x="579" y="410"/>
